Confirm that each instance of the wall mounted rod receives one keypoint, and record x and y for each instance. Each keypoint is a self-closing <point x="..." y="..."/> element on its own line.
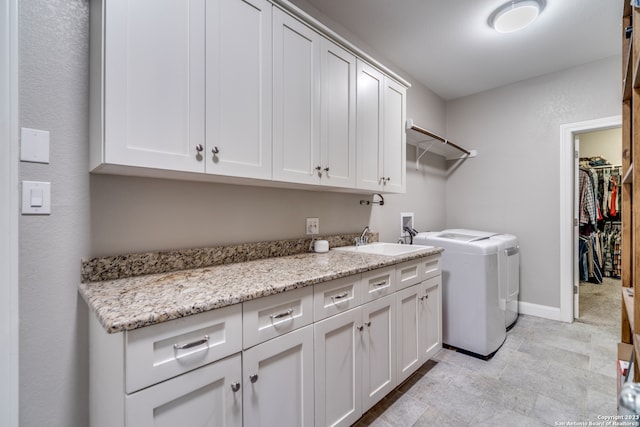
<point x="439" y="138"/>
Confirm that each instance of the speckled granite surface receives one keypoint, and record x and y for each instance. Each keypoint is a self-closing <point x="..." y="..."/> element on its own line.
<point x="130" y="265"/>
<point x="135" y="302"/>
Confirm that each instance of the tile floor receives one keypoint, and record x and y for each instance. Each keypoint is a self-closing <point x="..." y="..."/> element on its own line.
<point x="546" y="372"/>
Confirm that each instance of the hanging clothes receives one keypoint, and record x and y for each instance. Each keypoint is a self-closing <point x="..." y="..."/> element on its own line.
<point x="613" y="204"/>
<point x="600" y="233"/>
<point x="587" y="204"/>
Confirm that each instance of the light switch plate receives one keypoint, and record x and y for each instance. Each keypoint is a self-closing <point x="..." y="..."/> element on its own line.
<point x="34" y="145"/>
<point x="36" y="198"/>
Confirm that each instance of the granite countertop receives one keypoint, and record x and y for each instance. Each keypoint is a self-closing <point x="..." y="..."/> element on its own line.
<point x="134" y="302"/>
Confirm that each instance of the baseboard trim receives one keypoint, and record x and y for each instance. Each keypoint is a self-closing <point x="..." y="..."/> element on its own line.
<point x="544" y="311"/>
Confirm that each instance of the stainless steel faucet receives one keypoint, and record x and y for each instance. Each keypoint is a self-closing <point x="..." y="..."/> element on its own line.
<point x="363" y="239"/>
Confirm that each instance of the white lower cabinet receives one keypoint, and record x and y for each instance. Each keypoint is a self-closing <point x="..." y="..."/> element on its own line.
<point x="431" y="316"/>
<point x="338" y="369"/>
<point x="355" y="363"/>
<point x="278" y="381"/>
<point x="419" y="325"/>
<point x="379" y="358"/>
<point x="210" y="396"/>
<point x="291" y="371"/>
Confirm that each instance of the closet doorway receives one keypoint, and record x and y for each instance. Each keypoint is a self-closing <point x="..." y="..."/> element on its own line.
<point x="569" y="278"/>
<point x="598" y="241"/>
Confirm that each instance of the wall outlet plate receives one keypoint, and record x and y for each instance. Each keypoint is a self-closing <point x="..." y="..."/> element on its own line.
<point x="313" y="226"/>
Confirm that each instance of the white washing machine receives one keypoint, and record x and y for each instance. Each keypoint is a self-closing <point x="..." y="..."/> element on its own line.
<point x="472" y="318"/>
<point x="508" y="270"/>
<point x="509" y="276"/>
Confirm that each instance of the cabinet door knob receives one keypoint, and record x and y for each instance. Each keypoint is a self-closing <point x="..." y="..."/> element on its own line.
<point x="360" y="328"/>
<point x="215" y="150"/>
<point x="235" y="386"/>
<point x="253" y="378"/>
<point x="367" y="324"/>
<point x="326" y="169"/>
<point x="199" y="148"/>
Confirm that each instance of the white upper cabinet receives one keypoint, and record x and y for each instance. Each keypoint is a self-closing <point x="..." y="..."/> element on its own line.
<point x="369" y="86"/>
<point x="338" y="118"/>
<point x="314" y="107"/>
<point x="238" y="80"/>
<point x="394" y="142"/>
<point x="154" y="84"/>
<point x="296" y="100"/>
<point x="380" y="140"/>
<point x="227" y="90"/>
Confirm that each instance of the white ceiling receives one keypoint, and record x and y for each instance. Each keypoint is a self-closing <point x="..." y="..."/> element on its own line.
<point x="448" y="46"/>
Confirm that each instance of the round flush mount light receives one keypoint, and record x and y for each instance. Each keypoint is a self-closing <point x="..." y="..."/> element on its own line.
<point x="515" y="15"/>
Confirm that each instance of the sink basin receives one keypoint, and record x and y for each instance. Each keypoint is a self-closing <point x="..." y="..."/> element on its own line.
<point x="381" y="248"/>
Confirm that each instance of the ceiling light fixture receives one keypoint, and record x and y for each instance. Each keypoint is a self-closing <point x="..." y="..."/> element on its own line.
<point x="515" y="15"/>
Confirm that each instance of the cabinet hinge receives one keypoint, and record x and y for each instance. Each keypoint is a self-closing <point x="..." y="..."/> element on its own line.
<point x="576" y="154"/>
<point x="575" y="222"/>
<point x="575" y="289"/>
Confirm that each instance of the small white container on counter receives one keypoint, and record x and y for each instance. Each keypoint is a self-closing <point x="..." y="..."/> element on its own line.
<point x="321" y="246"/>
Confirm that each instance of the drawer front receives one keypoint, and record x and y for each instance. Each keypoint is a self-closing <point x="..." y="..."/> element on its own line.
<point x="336" y="296"/>
<point x="269" y="317"/>
<point x="378" y="283"/>
<point x="430" y="267"/>
<point x="408" y="274"/>
<point x="158" y="352"/>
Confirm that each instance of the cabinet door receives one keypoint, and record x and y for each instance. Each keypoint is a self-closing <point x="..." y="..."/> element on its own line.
<point x="394" y="141"/>
<point x="369" y="136"/>
<point x="408" y="310"/>
<point x="239" y="79"/>
<point x="204" y="397"/>
<point x="154" y="83"/>
<point x="296" y="101"/>
<point x="379" y="354"/>
<point x="430" y="326"/>
<point x="338" y="118"/>
<point x="338" y="369"/>
<point x="278" y="381"/>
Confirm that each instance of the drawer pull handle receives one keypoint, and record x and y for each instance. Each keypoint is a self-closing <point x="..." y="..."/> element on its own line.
<point x="384" y="282"/>
<point x="253" y="378"/>
<point x="204" y="340"/>
<point x="235" y="387"/>
<point x="340" y="296"/>
<point x="281" y="315"/>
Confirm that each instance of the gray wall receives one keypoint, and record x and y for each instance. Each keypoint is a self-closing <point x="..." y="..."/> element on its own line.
<point x="100" y="215"/>
<point x="604" y="143"/>
<point x="513" y="184"/>
<point x="53" y="95"/>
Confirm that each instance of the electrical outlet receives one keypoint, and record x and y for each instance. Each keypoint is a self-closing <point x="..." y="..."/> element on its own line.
<point x="313" y="226"/>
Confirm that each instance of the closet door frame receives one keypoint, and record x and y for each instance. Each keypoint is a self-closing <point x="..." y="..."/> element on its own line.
<point x="568" y="173"/>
